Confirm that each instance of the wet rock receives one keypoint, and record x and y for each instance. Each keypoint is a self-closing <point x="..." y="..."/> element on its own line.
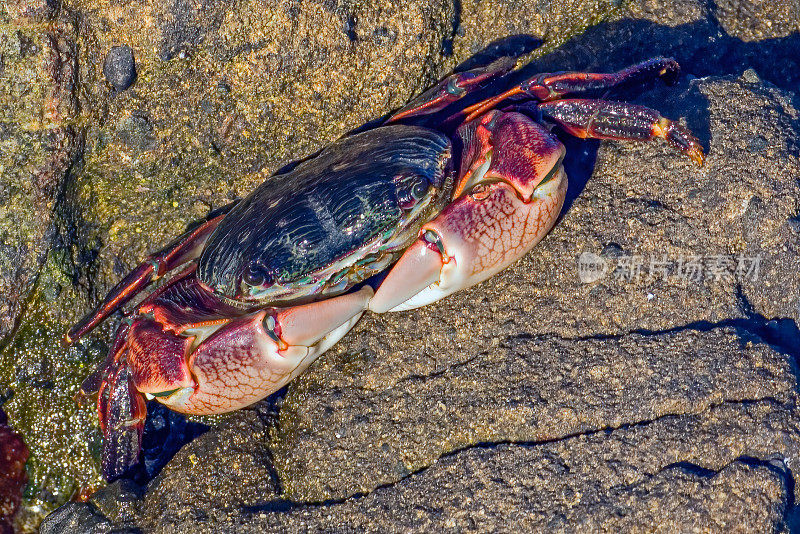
<point x="119" y="67"/>
<point x="118" y="501"/>
<point x="680" y="472"/>
<point x="707" y="39"/>
<point x="41" y="139"/>
<point x="755" y="20"/>
<point x="515" y="28"/>
<point x="38" y="143"/>
<point x="33" y="10"/>
<point x="211" y="481"/>
<point x="109" y="510"/>
<point x="523" y="389"/>
<point x="77" y="518"/>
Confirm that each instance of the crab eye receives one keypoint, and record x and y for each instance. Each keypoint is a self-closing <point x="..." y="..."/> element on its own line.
<point x="410" y="190"/>
<point x="453" y="88"/>
<point x="419" y="189"/>
<point x="255" y="275"/>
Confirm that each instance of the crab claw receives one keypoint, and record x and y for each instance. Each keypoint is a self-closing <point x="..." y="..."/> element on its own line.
<point x="257" y="354"/>
<point x="143" y="359"/>
<point x="207" y="366"/>
<point x="510" y="195"/>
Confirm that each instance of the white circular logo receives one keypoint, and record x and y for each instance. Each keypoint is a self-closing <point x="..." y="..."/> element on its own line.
<point x="591" y="267"/>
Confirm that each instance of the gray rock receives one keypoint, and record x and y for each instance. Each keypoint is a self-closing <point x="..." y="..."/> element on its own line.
<point x="118" y="501"/>
<point x="119" y="67"/>
<point x="525" y="389"/>
<point x="76" y="518"/>
<point x="678" y="472"/>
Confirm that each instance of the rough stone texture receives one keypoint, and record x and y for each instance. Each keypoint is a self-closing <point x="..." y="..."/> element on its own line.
<point x="525" y="389"/>
<point x="657" y="423"/>
<point x="698" y="33"/>
<point x="41" y="138"/>
<point x="739" y="207"/>
<point x="225" y="93"/>
<point x="38" y="142"/>
<point x="79" y="518"/>
<point x="755" y="20"/>
<point x="719" y="471"/>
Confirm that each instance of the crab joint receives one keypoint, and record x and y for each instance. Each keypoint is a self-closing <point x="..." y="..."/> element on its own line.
<point x="453" y="88"/>
<point x="272" y="328"/>
<point x="435" y="243"/>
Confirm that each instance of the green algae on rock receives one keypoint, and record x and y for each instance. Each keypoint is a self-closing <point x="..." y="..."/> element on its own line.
<point x="63" y="437"/>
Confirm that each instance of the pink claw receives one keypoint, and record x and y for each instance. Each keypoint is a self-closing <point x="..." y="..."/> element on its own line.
<point x="509" y="197"/>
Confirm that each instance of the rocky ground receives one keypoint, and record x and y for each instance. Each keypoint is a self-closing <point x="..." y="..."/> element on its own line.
<point x="649" y="399"/>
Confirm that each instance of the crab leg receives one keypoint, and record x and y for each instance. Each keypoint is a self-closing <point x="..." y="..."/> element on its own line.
<point x="602" y="119"/>
<point x="508" y="198"/>
<point x="453" y="88"/>
<point x="552" y="86"/>
<point x="122" y="413"/>
<point x="184" y="249"/>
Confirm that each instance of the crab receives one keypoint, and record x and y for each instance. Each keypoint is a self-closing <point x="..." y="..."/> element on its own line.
<point x="435" y="199"/>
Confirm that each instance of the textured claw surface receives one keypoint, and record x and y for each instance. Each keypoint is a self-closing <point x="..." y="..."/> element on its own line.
<point x="157" y="359"/>
<point x="603" y="119"/>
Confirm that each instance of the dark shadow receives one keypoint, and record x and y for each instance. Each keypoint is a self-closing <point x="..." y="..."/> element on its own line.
<point x="165" y="432"/>
<point x="579" y="165"/>
<point x="447" y="42"/>
<point x="702" y="48"/>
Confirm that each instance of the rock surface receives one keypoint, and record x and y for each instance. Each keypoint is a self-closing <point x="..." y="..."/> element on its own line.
<point x="642" y="475"/>
<point x="225" y="93"/>
<point x="660" y="398"/>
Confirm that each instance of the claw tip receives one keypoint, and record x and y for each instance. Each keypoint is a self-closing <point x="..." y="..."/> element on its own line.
<point x="698" y="156"/>
<point x="67" y="340"/>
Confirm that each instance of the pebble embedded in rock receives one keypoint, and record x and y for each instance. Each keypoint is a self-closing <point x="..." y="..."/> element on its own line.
<point x="119" y="67"/>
